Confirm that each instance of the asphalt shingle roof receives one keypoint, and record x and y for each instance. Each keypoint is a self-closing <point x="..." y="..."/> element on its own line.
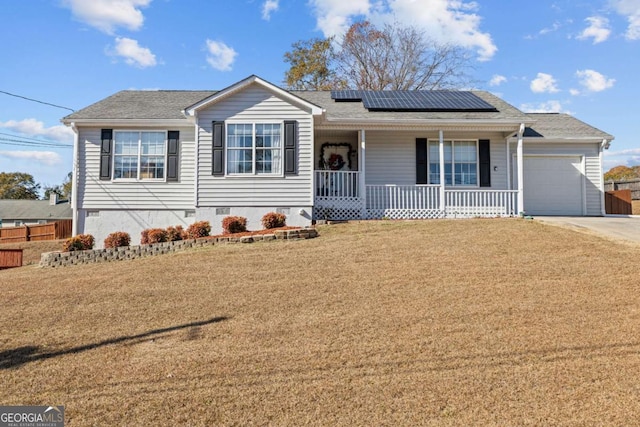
<point x="34" y="210"/>
<point x="168" y="104"/>
<point x="561" y="125"/>
<point x="142" y="104"/>
<point x="356" y="110"/>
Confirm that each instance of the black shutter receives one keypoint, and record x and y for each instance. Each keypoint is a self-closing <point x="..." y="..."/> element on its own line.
<point x="106" y="138"/>
<point x="421" y="161"/>
<point x="173" y="137"/>
<point x="217" y="168"/>
<point x="290" y="147"/>
<point x="484" y="157"/>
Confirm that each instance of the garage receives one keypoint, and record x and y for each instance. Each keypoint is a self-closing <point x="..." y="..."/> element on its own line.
<point x="553" y="185"/>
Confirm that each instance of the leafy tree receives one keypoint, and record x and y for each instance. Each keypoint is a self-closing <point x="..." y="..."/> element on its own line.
<point x="18" y="185"/>
<point x="395" y="57"/>
<point x="63" y="190"/>
<point x="622" y="173"/>
<point x="311" y="62"/>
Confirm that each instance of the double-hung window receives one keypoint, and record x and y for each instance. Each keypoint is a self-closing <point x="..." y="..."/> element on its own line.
<point x="254" y="148"/>
<point x="460" y="163"/>
<point x="139" y="155"/>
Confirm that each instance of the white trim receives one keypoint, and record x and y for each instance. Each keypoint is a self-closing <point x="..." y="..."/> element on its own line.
<point x="442" y="174"/>
<point x="196" y="178"/>
<point x="74" y="179"/>
<point x="603" y="204"/>
<point x="254" y="173"/>
<point x="520" y="162"/>
<point x="362" y="167"/>
<point x="113" y="123"/>
<point x="137" y="179"/>
<point x="241" y="85"/>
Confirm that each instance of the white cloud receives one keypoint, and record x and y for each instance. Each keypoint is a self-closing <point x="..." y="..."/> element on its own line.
<point x="221" y="56"/>
<point x="33" y="127"/>
<point x="48" y="158"/>
<point x="631" y="10"/>
<point x="544" y="107"/>
<point x="447" y="21"/>
<point x="593" y="81"/>
<point x="574" y="92"/>
<point x="631" y="151"/>
<point x="268" y="8"/>
<point x="497" y="80"/>
<point x="107" y="15"/>
<point x="133" y="53"/>
<point x="598" y="29"/>
<point x="555" y="27"/>
<point x="544" y="83"/>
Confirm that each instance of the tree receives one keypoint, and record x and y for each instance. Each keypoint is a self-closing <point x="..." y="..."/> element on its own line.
<point x="311" y="62"/>
<point x="18" y="185"/>
<point x="63" y="190"/>
<point x="395" y="57"/>
<point x="622" y="173"/>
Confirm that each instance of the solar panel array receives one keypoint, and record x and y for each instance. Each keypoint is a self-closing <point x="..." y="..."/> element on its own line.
<point x="399" y="100"/>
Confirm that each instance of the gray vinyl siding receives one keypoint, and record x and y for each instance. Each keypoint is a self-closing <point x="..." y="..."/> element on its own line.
<point x="593" y="169"/>
<point x="254" y="105"/>
<point x="96" y="194"/>
<point x="391" y="156"/>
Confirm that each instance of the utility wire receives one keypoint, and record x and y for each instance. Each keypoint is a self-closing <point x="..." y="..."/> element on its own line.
<point x="9" y="141"/>
<point x="26" y="138"/>
<point x="40" y="102"/>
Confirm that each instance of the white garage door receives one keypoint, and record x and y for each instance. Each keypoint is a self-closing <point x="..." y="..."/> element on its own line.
<point x="553" y="185"/>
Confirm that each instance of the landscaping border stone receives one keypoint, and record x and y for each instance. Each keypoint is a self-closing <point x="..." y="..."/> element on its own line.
<point x="65" y="259"/>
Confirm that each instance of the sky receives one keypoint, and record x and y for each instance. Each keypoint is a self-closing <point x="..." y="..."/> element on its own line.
<point x="572" y="56"/>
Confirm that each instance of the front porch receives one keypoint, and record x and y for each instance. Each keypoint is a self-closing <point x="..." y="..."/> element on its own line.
<point x="339" y="195"/>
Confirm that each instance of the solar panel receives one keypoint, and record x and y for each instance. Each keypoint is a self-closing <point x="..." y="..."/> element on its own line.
<point x="398" y="100"/>
<point x="346" y="95"/>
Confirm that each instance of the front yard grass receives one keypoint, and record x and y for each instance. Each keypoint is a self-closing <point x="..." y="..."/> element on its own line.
<point x="467" y="322"/>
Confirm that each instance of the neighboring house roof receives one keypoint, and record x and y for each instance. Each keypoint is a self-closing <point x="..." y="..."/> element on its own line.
<point x="141" y="104"/>
<point x="33" y="210"/>
<point x="356" y="110"/>
<point x="562" y="126"/>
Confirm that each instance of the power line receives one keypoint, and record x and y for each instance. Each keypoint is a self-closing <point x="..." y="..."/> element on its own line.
<point x="9" y="141"/>
<point x="40" y="102"/>
<point x="13" y="135"/>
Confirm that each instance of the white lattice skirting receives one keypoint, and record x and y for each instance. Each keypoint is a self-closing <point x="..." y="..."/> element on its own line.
<point x="404" y="213"/>
<point x="338" y="209"/>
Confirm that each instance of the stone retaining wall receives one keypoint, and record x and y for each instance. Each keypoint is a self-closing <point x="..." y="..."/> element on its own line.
<point x="64" y="259"/>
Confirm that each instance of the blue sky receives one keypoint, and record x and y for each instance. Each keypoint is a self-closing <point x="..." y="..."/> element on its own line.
<point x="574" y="56"/>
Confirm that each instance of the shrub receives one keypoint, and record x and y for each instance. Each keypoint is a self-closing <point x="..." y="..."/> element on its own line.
<point x="81" y="242"/>
<point x="199" y="229"/>
<point x="117" y="239"/>
<point x="144" y="237"/>
<point x="234" y="224"/>
<point x="175" y="233"/>
<point x="274" y="220"/>
<point x="157" y="235"/>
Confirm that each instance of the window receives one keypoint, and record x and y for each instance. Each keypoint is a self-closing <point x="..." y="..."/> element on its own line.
<point x="139" y="155"/>
<point x="254" y="148"/>
<point x="460" y="163"/>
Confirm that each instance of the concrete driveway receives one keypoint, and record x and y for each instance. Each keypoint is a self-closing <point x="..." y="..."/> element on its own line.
<point x="617" y="227"/>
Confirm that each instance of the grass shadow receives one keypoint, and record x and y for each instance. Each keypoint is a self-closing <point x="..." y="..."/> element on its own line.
<point x="22" y="355"/>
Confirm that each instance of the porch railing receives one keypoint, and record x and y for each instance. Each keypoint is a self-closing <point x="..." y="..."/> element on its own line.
<point x="337" y="184"/>
<point x="409" y="197"/>
<point x="480" y="202"/>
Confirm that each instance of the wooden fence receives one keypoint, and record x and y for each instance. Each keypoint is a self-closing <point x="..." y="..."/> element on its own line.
<point x="37" y="232"/>
<point x="618" y="202"/>
<point x="10" y="258"/>
<point x="632" y="184"/>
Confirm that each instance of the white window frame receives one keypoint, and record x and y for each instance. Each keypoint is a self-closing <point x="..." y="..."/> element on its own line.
<point x="138" y="178"/>
<point x="453" y="162"/>
<point x="254" y="173"/>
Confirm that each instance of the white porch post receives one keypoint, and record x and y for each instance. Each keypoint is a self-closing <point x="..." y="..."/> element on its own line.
<point x="441" y="148"/>
<point x="361" y="163"/>
<point x="509" y="171"/>
<point x="520" y="169"/>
